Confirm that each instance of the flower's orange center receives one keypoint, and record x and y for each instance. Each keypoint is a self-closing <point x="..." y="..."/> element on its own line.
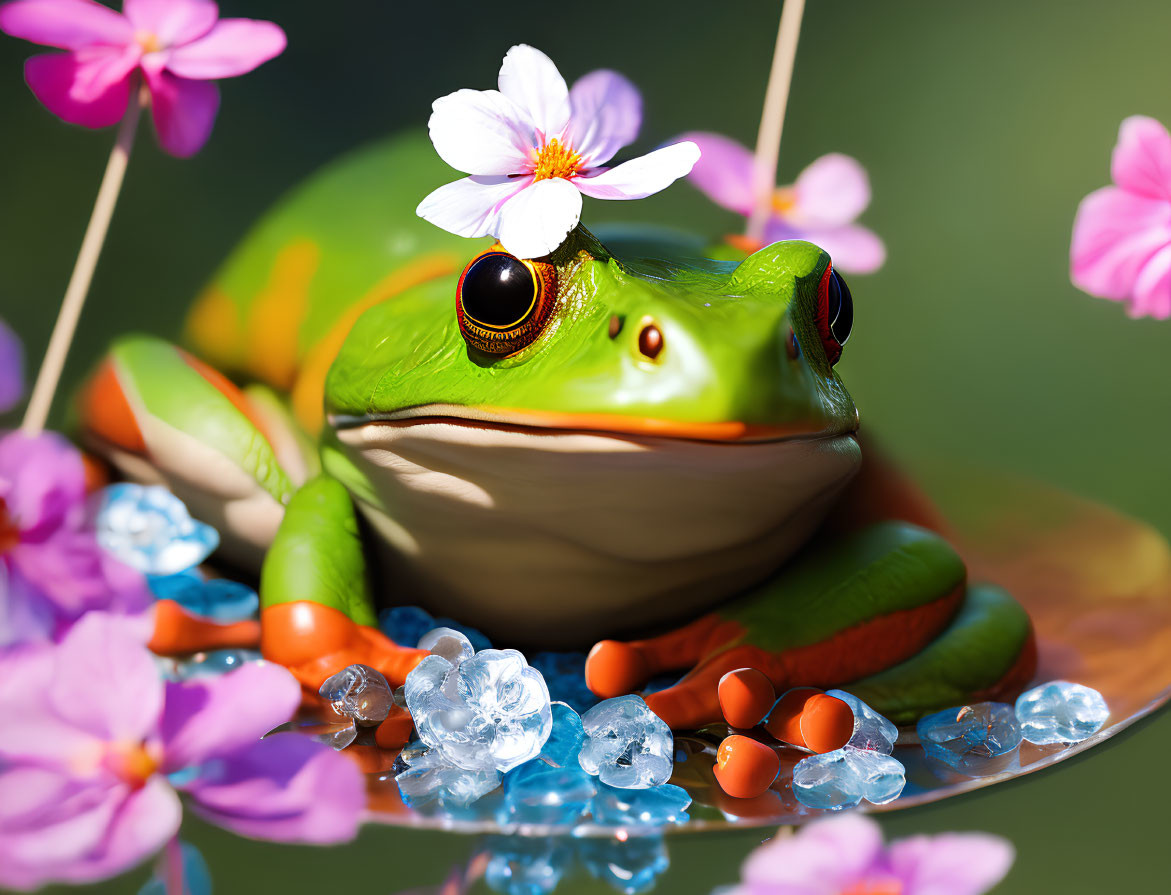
<point x="875" y="887"/>
<point x="556" y="160"/>
<point x="9" y="533"/>
<point x="148" y="41"/>
<point x="784" y="200"/>
<point x="133" y="763"/>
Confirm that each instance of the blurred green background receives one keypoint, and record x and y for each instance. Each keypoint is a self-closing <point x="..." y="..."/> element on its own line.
<point x="982" y="125"/>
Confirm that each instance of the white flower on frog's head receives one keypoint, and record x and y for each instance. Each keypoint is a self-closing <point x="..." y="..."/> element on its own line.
<point x="534" y="146"/>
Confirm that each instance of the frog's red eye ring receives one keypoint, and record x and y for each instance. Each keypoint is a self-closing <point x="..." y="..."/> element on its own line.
<point x="502" y="303"/>
<point x="835" y="314"/>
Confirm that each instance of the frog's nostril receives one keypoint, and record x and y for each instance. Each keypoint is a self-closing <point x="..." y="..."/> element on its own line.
<point x="615" y="326"/>
<point x="650" y="341"/>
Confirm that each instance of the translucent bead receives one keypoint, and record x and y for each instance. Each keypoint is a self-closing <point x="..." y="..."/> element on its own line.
<point x="489" y="711"/>
<point x="564" y="674"/>
<point x="565" y="737"/>
<point x="538" y="793"/>
<point x="1060" y="712"/>
<point x="217" y="598"/>
<point x="216" y="662"/>
<point x="654" y="807"/>
<point x="629" y="866"/>
<point x="627" y="744"/>
<point x="842" y="778"/>
<point x="429" y="776"/>
<point x="974" y="739"/>
<point x="449" y="643"/>
<point x="149" y="528"/>
<point x="359" y="692"/>
<point x="520" y="866"/>
<point x="871" y="730"/>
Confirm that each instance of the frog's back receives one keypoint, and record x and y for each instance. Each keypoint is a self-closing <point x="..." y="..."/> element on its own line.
<point x="279" y="307"/>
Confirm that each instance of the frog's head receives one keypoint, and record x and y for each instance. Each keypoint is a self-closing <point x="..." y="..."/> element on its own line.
<point x="635" y="428"/>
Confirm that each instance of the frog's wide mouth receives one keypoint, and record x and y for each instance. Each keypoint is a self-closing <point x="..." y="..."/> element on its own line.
<point x="602" y="424"/>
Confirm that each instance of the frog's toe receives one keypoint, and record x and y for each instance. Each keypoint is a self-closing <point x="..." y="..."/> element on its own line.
<point x="613" y="668"/>
<point x="161" y="416"/>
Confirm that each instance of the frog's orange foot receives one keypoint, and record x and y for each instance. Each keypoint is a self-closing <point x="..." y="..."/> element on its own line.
<point x="315" y="641"/>
<point x="178" y="633"/>
<point x="614" y="667"/>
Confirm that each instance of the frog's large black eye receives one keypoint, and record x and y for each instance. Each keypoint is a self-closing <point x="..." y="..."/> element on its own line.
<point x="835" y="313"/>
<point x="502" y="303"/>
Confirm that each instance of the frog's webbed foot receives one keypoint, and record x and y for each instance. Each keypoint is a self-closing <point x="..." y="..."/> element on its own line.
<point x="316" y="614"/>
<point x="851" y="609"/>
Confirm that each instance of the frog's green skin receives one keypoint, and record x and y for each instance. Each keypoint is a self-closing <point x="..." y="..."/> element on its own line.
<point x="577" y="489"/>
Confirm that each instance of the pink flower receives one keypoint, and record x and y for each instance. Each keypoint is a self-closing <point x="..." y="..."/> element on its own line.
<point x="94" y="748"/>
<point x="52" y="570"/>
<point x="11" y="368"/>
<point x="845" y="856"/>
<point x="821" y="206"/>
<point x="534" y="147"/>
<point x="1121" y="246"/>
<point x="179" y="46"/>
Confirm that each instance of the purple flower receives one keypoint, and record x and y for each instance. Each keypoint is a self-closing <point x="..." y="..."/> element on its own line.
<point x="94" y="747"/>
<point x="51" y="568"/>
<point x="179" y="46"/>
<point x="534" y="146"/>
<point x="845" y="856"/>
<point x="1121" y="246"/>
<point x="11" y="368"/>
<point x="821" y="205"/>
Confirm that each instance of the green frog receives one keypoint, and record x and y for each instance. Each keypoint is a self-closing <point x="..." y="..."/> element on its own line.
<point x="624" y="444"/>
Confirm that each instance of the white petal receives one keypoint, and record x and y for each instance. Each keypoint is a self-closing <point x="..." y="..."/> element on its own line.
<point x="471" y="207"/>
<point x="482" y="132"/>
<point x="643" y="176"/>
<point x="530" y="79"/>
<point x="538" y="219"/>
<point x="606" y="114"/>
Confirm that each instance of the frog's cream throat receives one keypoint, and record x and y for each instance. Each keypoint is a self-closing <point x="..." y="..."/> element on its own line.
<point x="620" y="530"/>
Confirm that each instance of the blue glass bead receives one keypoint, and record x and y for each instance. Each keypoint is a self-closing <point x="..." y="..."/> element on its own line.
<point x="627" y="744"/>
<point x="196" y="875"/>
<point x="217" y="662"/>
<point x="405" y="624"/>
<point x="846" y="776"/>
<point x="871" y="730"/>
<point x="538" y="793"/>
<point x="565" y="739"/>
<point x="218" y="598"/>
<point x="654" y="807"/>
<point x="430" y="777"/>
<point x="1060" y="712"/>
<point x="975" y="740"/>
<point x="565" y="675"/>
<point x="149" y="529"/>
<point x="520" y="866"/>
<point x="629" y="866"/>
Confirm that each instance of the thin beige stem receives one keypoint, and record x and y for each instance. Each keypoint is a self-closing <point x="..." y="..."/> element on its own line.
<point x="772" y="118"/>
<point x="49" y="376"/>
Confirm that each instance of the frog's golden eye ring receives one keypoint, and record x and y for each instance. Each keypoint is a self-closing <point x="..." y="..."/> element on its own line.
<point x="502" y="303"/>
<point x="835" y="313"/>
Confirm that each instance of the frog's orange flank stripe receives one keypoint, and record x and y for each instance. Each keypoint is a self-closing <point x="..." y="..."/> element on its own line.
<point x="309" y="391"/>
<point x="274" y="321"/>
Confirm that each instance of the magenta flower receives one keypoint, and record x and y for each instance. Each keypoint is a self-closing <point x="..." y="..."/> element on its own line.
<point x="11" y="368"/>
<point x="52" y="570"/>
<point x="1121" y="246"/>
<point x="95" y="748"/>
<point x="845" y="856"/>
<point x="821" y="205"/>
<point x="179" y="46"/>
<point x="534" y="146"/>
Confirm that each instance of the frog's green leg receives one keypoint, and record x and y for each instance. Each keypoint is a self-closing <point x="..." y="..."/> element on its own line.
<point x="853" y="608"/>
<point x="988" y="652"/>
<point x="160" y="415"/>
<point x="317" y="615"/>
